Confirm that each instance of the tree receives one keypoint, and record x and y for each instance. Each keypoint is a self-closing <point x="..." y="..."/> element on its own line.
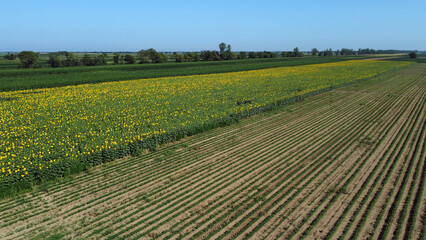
<point x="191" y="57"/>
<point x="162" y="58"/>
<point x="129" y="59"/>
<point x="291" y="54"/>
<point x="29" y="59"/>
<point x="71" y="60"/>
<point x="10" y="56"/>
<point x="87" y="60"/>
<point x="412" y="55"/>
<point x="54" y="60"/>
<point x="222" y="47"/>
<point x="195" y="57"/>
<point x="209" y="55"/>
<point x="297" y="53"/>
<point x="327" y="52"/>
<point x="154" y="55"/>
<point x="118" y="58"/>
<point x="101" y="59"/>
<point x="142" y="56"/>
<point x="225" y="52"/>
<point x="314" y="51"/>
<point x="267" y="54"/>
<point x="346" y="51"/>
<point x="177" y="57"/>
<point x="252" y="55"/>
<point x="242" y="55"/>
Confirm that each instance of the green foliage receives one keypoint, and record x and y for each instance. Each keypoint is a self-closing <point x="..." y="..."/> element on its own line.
<point x="144" y="55"/>
<point x="191" y="57"/>
<point x="177" y="57"/>
<point x="129" y="59"/>
<point x="54" y="60"/>
<point x="57" y="59"/>
<point x="346" y="52"/>
<point x="225" y="52"/>
<point x="210" y="56"/>
<point x="54" y="77"/>
<point x="101" y="59"/>
<point x="326" y="53"/>
<point x="29" y="59"/>
<point x="314" y="52"/>
<point x="412" y="55"/>
<point x="10" y="56"/>
<point x="71" y="60"/>
<point x="297" y="53"/>
<point x="242" y="55"/>
<point x="87" y="60"/>
<point x="222" y="47"/>
<point x="118" y="58"/>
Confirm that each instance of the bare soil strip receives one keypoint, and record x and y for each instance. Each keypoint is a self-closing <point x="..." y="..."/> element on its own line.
<point x="349" y="163"/>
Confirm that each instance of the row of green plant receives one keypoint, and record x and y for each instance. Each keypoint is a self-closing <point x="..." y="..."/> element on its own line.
<point x="396" y="153"/>
<point x="345" y="211"/>
<point x="258" y="160"/>
<point x="392" y="165"/>
<point x="171" y="193"/>
<point x="406" y="205"/>
<point x="366" y="154"/>
<point x="363" y="201"/>
<point x="414" y="211"/>
<point x="331" y="153"/>
<point x="258" y="177"/>
<point x="195" y="180"/>
<point x="404" y="175"/>
<point x="11" y="80"/>
<point x="59" y="197"/>
<point x="289" y="171"/>
<point x="354" y="200"/>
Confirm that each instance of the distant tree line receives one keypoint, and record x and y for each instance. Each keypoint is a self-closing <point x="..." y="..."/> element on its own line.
<point x="295" y="53"/>
<point x="10" y="56"/>
<point x="349" y="52"/>
<point x="67" y="59"/>
<point x="373" y="51"/>
<point x="30" y="59"/>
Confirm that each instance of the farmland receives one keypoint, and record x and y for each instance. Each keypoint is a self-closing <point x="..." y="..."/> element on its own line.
<point x="20" y="79"/>
<point x="48" y="133"/>
<point x="347" y="163"/>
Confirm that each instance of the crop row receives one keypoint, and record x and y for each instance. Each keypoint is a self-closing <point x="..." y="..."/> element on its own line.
<point x="156" y="166"/>
<point x="129" y="164"/>
<point x="313" y="170"/>
<point x="49" y="133"/>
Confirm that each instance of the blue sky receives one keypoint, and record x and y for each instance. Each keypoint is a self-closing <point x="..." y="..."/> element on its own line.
<point x="189" y="25"/>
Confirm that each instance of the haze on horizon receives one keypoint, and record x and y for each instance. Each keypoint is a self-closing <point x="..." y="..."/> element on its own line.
<point x="190" y="25"/>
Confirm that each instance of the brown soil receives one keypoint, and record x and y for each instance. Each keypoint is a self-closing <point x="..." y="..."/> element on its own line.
<point x="270" y="176"/>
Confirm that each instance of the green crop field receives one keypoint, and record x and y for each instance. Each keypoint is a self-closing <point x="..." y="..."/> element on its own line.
<point x="348" y="163"/>
<point x="19" y="79"/>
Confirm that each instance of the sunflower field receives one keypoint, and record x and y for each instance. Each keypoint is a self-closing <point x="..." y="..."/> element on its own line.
<point x="49" y="133"/>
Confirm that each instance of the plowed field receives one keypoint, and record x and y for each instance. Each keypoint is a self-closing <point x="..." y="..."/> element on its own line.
<point x="349" y="163"/>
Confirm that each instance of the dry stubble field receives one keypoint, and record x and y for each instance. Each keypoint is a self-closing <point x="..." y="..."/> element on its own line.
<point x="349" y="163"/>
